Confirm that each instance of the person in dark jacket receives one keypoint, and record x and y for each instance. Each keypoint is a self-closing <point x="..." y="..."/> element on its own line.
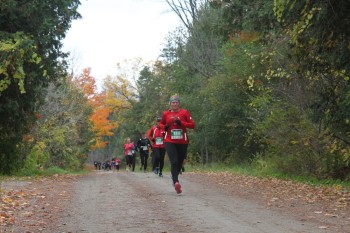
<point x="144" y="145"/>
<point x="133" y="152"/>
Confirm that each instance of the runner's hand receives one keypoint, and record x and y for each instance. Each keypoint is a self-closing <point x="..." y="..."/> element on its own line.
<point x="166" y="127"/>
<point x="178" y="122"/>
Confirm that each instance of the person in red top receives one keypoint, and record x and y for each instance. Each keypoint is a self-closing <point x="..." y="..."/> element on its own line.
<point x="175" y="122"/>
<point x="117" y="162"/>
<point x="156" y="135"/>
<point x="128" y="147"/>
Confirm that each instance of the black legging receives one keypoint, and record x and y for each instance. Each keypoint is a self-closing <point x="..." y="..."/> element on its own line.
<point x="177" y="153"/>
<point x="129" y="160"/>
<point x="159" y="154"/>
<point x="133" y="162"/>
<point x="144" y="158"/>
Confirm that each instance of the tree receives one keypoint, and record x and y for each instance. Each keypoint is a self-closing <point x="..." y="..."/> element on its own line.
<point x="102" y="126"/>
<point x="187" y="10"/>
<point x="63" y="134"/>
<point x="312" y="84"/>
<point x="30" y="48"/>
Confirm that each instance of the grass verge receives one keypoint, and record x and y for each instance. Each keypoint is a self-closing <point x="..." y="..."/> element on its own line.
<point x="264" y="173"/>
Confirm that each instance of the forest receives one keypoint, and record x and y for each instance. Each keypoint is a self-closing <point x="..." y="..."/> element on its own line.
<point x="266" y="82"/>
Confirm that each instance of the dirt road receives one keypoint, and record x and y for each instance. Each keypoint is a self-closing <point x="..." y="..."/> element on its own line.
<point x="143" y="202"/>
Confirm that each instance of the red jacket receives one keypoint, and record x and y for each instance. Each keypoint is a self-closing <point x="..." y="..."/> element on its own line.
<point x="128" y="147"/>
<point x="117" y="161"/>
<point x="177" y="133"/>
<point x="156" y="135"/>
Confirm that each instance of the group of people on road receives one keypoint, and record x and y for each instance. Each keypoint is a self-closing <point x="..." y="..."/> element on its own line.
<point x="143" y="146"/>
<point x="168" y="135"/>
<point x="107" y="165"/>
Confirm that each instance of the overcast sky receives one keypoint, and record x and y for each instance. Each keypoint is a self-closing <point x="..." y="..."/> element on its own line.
<point x="111" y="31"/>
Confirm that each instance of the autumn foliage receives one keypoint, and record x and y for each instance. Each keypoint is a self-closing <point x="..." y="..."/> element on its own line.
<point x="101" y="124"/>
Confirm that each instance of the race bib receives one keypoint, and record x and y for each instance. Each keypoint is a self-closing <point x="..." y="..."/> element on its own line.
<point x="159" y="141"/>
<point x="176" y="134"/>
<point x="144" y="147"/>
<point x="129" y="152"/>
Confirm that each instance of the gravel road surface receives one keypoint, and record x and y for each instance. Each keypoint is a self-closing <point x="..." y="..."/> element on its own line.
<point x="143" y="202"/>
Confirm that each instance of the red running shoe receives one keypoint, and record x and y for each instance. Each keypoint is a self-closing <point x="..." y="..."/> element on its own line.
<point x="178" y="188"/>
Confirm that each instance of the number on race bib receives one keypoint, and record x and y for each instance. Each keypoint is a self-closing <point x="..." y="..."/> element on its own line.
<point x="159" y="141"/>
<point x="176" y="134"/>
